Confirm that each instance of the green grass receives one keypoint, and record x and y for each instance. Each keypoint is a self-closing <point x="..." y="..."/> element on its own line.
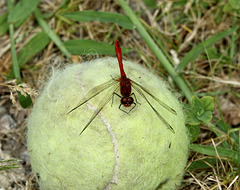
<point x="9" y="164"/>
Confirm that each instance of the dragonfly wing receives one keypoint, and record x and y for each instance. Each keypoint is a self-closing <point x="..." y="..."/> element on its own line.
<point x="155" y="98"/>
<point x="138" y="89"/>
<point x="101" y="105"/>
<point x="94" y="92"/>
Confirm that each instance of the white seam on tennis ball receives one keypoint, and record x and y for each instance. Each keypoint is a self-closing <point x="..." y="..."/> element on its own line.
<point x="49" y="86"/>
<point x="56" y="95"/>
<point x="51" y="173"/>
<point x="116" y="167"/>
<point x="90" y="106"/>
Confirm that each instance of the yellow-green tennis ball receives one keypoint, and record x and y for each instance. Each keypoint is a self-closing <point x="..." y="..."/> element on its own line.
<point x="117" y="151"/>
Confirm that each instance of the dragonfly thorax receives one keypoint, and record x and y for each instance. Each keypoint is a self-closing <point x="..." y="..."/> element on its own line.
<point x="125" y="86"/>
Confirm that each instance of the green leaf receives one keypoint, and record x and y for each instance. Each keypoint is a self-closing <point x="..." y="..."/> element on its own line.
<point x="200" y="110"/>
<point x="222" y="152"/>
<point x="193" y="132"/>
<point x="196" y="102"/>
<point x="85" y="47"/>
<point x="35" y="45"/>
<point x="202" y="164"/>
<point x="150" y="3"/>
<point x="25" y="101"/>
<point x="191" y="119"/>
<point x="197" y="50"/>
<point x="22" y="10"/>
<point x="235" y="4"/>
<point x="3" y="24"/>
<point x="227" y="8"/>
<point x="206" y="116"/>
<point x="87" y="16"/>
<point x="3" y="18"/>
<point x="223" y="126"/>
<point x="208" y="103"/>
<point x="194" y="111"/>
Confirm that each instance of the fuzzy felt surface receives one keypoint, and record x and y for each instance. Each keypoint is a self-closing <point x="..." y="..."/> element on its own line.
<point x="118" y="150"/>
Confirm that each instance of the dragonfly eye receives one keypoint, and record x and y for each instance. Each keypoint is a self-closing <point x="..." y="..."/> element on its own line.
<point x="127" y="101"/>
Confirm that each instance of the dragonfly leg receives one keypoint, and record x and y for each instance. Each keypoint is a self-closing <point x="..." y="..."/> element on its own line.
<point x="122" y="109"/>
<point x="132" y="107"/>
<point x="113" y="78"/>
<point x="127" y="112"/>
<point x="135" y="99"/>
<point x="114" y="93"/>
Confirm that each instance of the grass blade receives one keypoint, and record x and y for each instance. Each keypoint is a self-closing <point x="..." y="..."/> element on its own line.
<point x="9" y="164"/>
<point x="87" y="16"/>
<point x="15" y="66"/>
<point x="85" y="47"/>
<point x="22" y="10"/>
<point x="210" y="150"/>
<point x="195" y="52"/>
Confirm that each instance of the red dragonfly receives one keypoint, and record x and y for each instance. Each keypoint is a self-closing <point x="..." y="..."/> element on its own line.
<point x="126" y="96"/>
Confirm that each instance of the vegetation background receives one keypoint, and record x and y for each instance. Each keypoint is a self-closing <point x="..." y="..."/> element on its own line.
<point x="192" y="44"/>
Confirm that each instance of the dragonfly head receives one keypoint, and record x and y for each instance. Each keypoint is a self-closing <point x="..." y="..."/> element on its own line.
<point x="127" y="101"/>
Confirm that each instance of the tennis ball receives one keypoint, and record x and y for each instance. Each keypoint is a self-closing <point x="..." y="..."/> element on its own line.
<point x="117" y="150"/>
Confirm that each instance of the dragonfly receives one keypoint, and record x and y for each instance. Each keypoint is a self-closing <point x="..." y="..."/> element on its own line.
<point x="127" y="97"/>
